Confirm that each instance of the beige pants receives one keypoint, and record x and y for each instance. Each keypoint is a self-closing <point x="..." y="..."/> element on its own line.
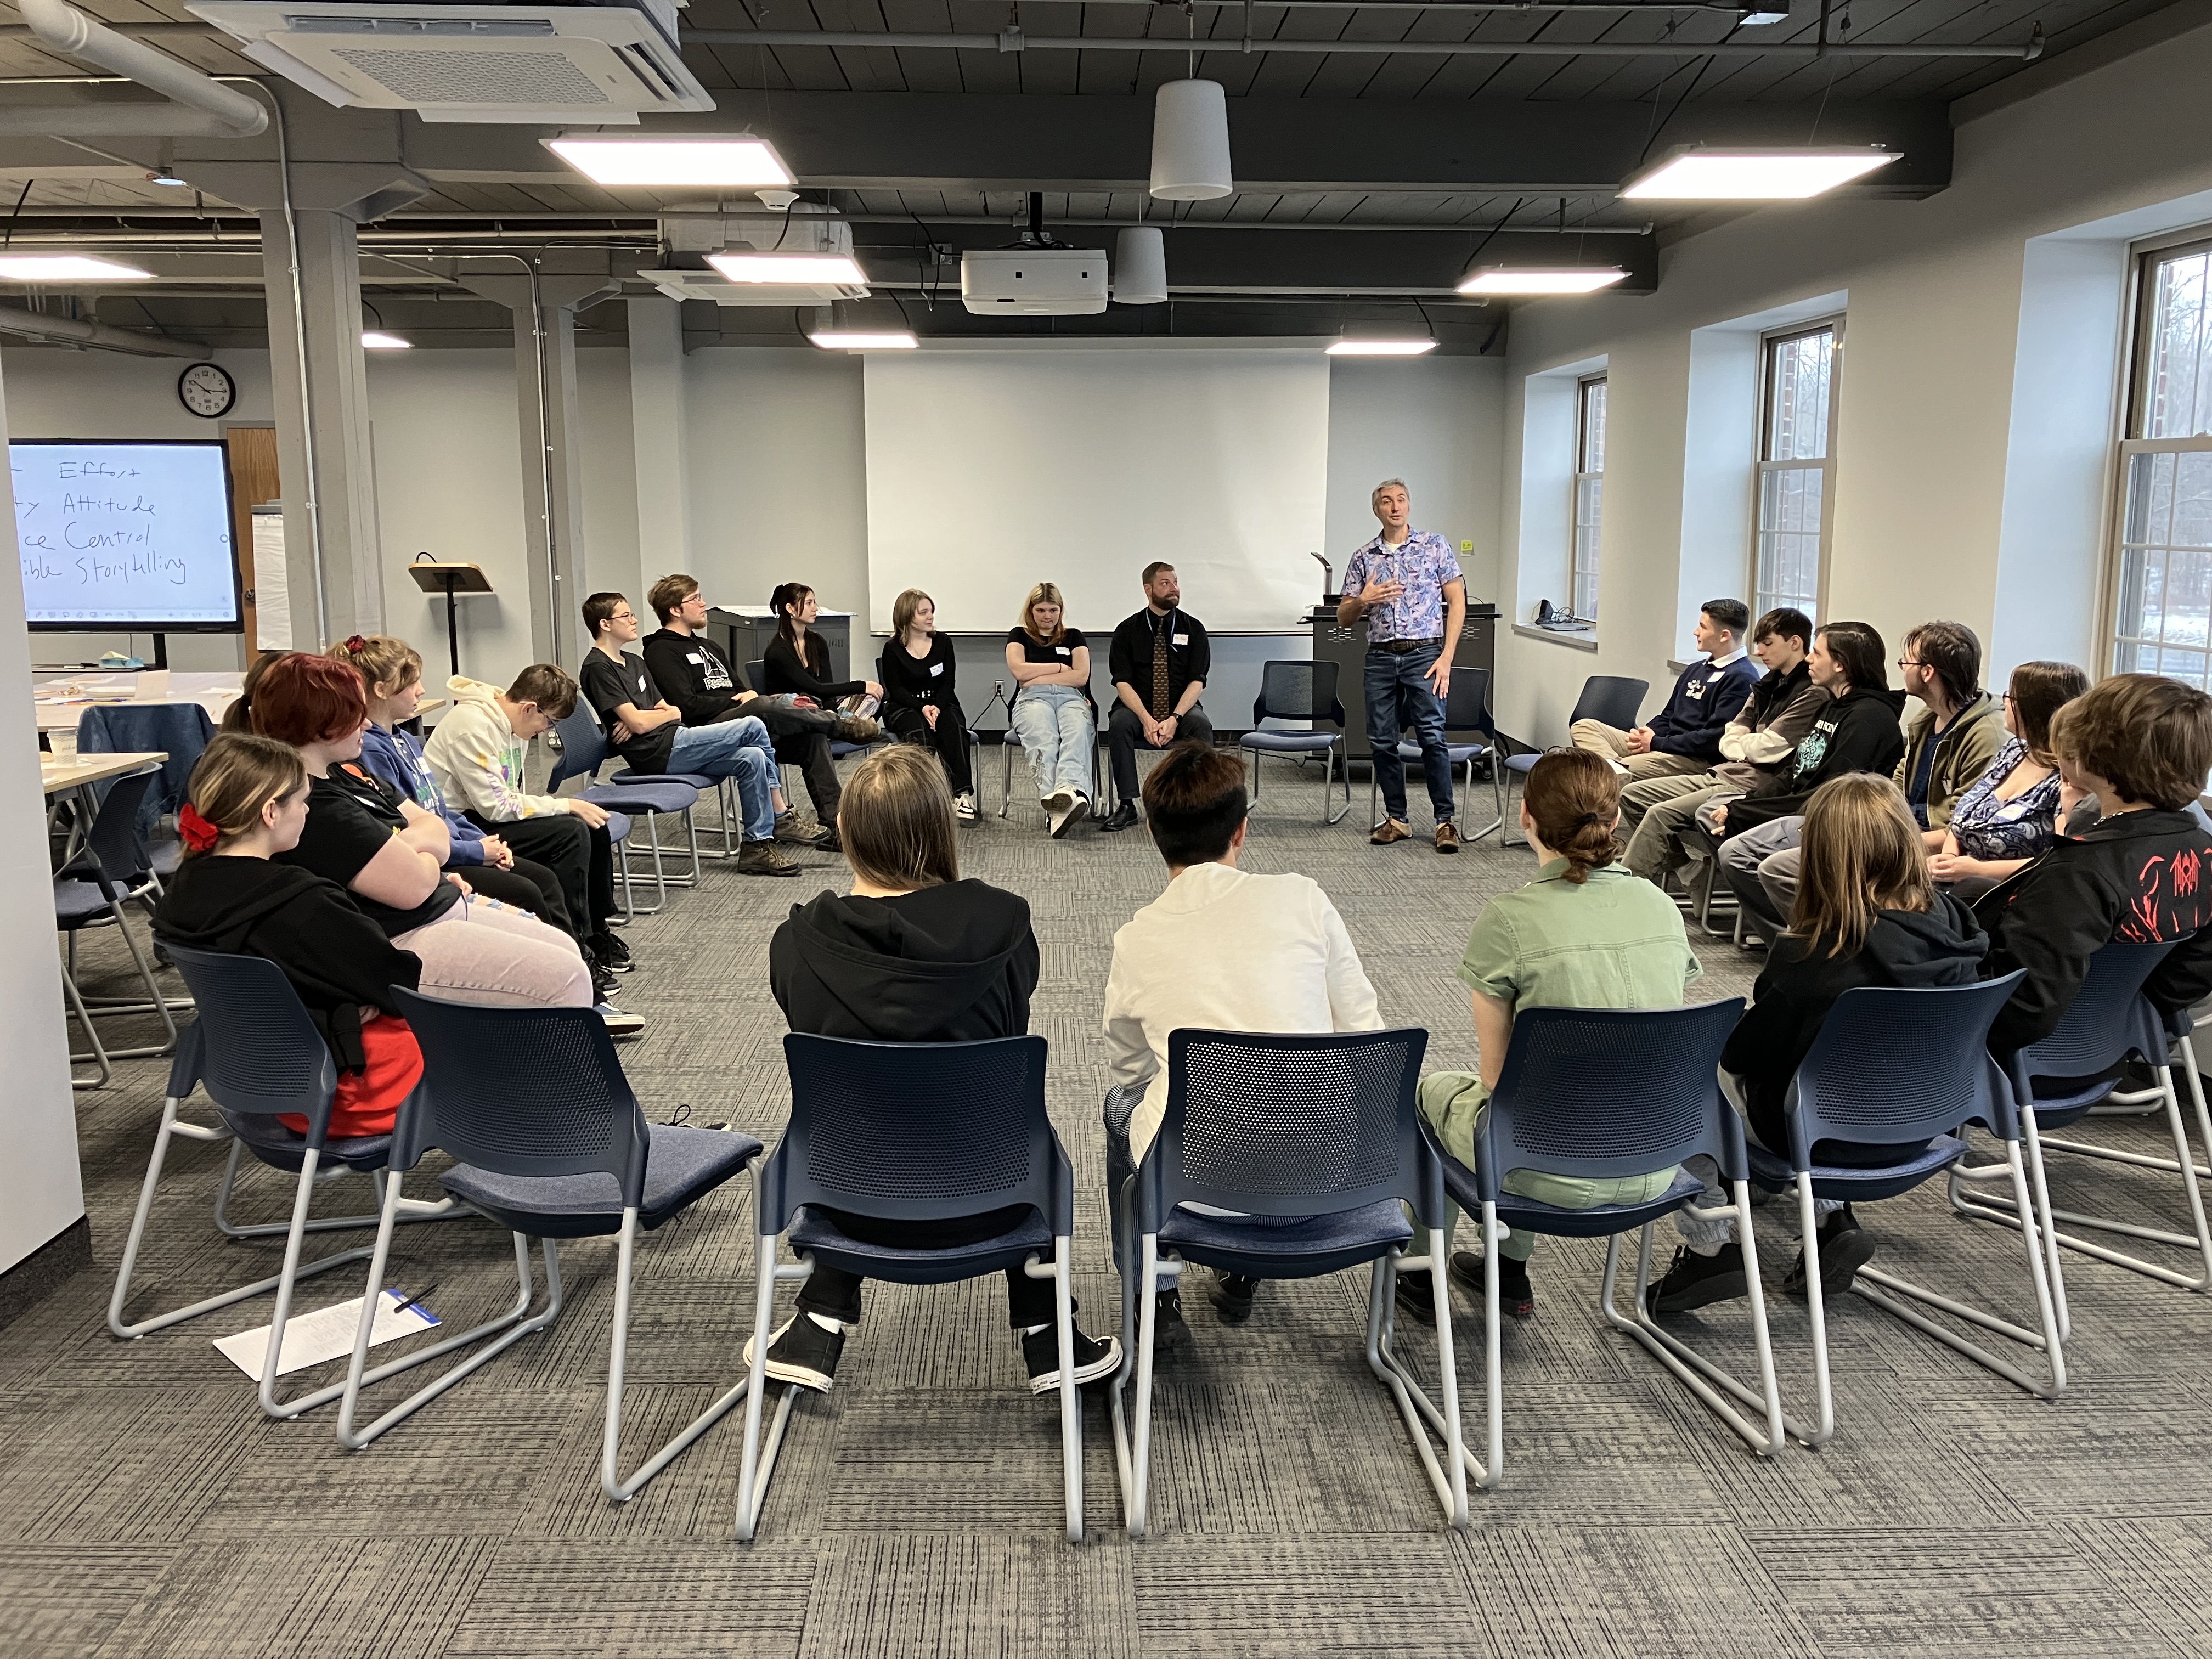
<point x="1610" y="743"/>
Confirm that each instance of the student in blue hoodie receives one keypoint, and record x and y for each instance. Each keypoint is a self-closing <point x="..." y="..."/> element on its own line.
<point x="1685" y="736"/>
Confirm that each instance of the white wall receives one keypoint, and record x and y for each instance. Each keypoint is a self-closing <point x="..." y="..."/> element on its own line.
<point x="1976" y="401"/>
<point x="1438" y="423"/>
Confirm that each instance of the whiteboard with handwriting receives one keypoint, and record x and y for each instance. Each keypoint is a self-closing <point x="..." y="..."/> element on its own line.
<point x="131" y="536"/>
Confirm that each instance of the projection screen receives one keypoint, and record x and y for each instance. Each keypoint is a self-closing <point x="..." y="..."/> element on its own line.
<point x="990" y="471"/>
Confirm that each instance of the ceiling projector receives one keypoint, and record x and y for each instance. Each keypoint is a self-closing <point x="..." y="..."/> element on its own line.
<point x="1034" y="282"/>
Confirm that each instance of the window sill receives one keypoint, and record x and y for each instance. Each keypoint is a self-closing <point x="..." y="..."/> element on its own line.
<point x="1584" y="642"/>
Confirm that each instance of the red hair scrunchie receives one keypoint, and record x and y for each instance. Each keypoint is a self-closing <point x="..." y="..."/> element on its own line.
<point x="197" y="832"/>
<point x="356" y="644"/>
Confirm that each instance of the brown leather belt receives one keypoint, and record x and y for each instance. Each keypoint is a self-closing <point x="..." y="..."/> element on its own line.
<point x="1403" y="647"/>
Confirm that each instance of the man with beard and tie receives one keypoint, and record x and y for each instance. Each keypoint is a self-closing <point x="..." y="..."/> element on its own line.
<point x="1159" y="661"/>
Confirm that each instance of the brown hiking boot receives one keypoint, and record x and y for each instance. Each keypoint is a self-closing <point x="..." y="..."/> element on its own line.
<point x="1389" y="830"/>
<point x="857" y="728"/>
<point x="760" y="858"/>
<point x="1447" y="837"/>
<point x="793" y="831"/>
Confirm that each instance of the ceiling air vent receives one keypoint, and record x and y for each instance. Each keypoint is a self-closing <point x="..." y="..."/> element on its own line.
<point x="606" y="64"/>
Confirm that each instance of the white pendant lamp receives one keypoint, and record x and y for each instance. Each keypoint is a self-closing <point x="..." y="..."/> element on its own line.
<point x="1140" y="266"/>
<point x="1190" y="142"/>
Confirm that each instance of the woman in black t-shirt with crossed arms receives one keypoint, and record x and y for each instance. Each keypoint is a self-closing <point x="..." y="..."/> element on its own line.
<point x="920" y="702"/>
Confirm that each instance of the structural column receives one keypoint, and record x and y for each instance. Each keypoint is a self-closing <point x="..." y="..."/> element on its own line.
<point x="657" y="427"/>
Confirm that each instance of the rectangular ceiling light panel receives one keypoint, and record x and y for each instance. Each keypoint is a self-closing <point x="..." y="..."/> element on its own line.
<point x="1570" y="279"/>
<point x="816" y="268"/>
<point x="1380" y="348"/>
<point x="856" y="339"/>
<point x="67" y="268"/>
<point x="618" y="163"/>
<point x="1753" y="175"/>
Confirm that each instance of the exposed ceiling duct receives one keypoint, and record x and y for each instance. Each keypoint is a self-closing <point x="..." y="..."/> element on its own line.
<point x="74" y="331"/>
<point x="199" y="107"/>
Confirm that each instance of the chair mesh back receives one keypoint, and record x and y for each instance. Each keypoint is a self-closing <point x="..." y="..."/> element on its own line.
<point x="1604" y="1092"/>
<point x="756" y="675"/>
<point x="1892" y="1066"/>
<point x="520" y="1091"/>
<point x="1467" y="704"/>
<point x="914" y="1131"/>
<point x="1298" y="690"/>
<point x="1613" y="698"/>
<point x="1300" y="1117"/>
<point x="583" y="747"/>
<point x="259" y="1054"/>
<point x="2107" y="1019"/>
<point x="114" y="838"/>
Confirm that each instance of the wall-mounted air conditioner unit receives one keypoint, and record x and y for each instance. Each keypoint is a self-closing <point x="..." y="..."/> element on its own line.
<point x="602" y="63"/>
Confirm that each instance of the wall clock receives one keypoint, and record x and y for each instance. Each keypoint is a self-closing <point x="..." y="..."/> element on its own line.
<point x="207" y="390"/>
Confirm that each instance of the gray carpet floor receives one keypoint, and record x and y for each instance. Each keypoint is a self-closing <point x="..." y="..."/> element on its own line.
<point x="148" y="1508"/>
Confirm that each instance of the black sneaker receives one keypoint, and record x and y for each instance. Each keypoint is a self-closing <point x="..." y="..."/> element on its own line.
<point x="1692" y="1281"/>
<point x="602" y="982"/>
<point x="1515" y="1295"/>
<point x="1844" y="1248"/>
<point x="1417" y="1299"/>
<point x="1093" y="1360"/>
<point x="612" y="954"/>
<point x="1168" y="1317"/>
<point x="1231" y="1296"/>
<point x="800" y="1353"/>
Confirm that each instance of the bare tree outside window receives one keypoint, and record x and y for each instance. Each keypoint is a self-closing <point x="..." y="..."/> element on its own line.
<point x="2162" y="613"/>
<point x="1589" y="493"/>
<point x="1796" y="467"/>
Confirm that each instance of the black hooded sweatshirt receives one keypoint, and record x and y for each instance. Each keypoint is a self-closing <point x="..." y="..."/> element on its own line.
<point x="956" y="963"/>
<point x="1861" y="730"/>
<point x="1915" y="950"/>
<point x="337" y="958"/>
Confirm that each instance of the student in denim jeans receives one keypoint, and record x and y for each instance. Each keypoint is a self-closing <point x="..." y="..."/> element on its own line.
<point x="1407" y="584"/>
<point x="1052" y="712"/>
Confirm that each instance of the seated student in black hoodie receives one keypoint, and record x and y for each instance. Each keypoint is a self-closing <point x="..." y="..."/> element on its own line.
<point x="1859" y="731"/>
<point x="247" y="802"/>
<point x="914" y="955"/>
<point x="2142" y="745"/>
<point x="1867" y="914"/>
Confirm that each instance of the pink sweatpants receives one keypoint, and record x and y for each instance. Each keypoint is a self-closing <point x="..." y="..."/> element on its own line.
<point x="481" y="951"/>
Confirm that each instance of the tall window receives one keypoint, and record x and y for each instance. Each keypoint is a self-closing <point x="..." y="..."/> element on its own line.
<point x="1589" y="492"/>
<point x="1795" y="467"/>
<point x="2163" y="603"/>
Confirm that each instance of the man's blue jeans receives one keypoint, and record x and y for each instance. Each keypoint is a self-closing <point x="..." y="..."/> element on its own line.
<point x="1398" y="696"/>
<point x="734" y="749"/>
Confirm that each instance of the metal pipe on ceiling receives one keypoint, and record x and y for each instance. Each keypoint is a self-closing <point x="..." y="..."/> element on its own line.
<point x="76" y="332"/>
<point x="1014" y="40"/>
<point x="197" y="107"/>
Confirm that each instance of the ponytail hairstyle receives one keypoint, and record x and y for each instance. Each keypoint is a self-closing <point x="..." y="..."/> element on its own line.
<point x="1863" y="855"/>
<point x="380" y="660"/>
<point x="1573" y="797"/>
<point x="239" y="717"/>
<point x="237" y="774"/>
<point x="787" y="598"/>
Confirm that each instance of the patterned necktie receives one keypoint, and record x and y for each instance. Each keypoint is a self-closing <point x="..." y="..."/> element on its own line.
<point x="1160" y="672"/>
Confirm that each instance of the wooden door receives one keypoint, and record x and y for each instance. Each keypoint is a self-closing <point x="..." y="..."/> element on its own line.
<point x="253" y="483"/>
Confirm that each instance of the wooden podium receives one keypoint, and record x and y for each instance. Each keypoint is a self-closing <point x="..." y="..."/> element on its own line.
<point x="452" y="580"/>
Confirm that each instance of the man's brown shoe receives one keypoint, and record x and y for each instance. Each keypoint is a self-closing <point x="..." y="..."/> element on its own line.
<point x="1447" y="837"/>
<point x="1389" y="830"/>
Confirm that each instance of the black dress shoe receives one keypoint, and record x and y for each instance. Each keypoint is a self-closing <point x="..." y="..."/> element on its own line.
<point x="1121" y="817"/>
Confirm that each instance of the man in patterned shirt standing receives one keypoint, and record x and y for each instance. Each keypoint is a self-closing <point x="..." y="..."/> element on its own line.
<point x="1407" y="584"/>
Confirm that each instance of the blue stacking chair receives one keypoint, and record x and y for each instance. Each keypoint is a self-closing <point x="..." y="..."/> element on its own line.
<point x="583" y="752"/>
<point x="1322" y="1129"/>
<point x="90" y="892"/>
<point x="259" y="1057"/>
<point x="1893" y="1067"/>
<point x="1604" y="1093"/>
<point x="1467" y="711"/>
<point x="913" y="1132"/>
<point x="1613" y="698"/>
<point x="2109" y="1020"/>
<point x="552" y="1144"/>
<point x="181" y="731"/>
<point x="1011" y="741"/>
<point x="1300" y="691"/>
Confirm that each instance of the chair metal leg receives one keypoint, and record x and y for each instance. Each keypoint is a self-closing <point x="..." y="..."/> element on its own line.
<point x="1414" y="1403"/>
<point x="1071" y="1406"/>
<point x="1700" y="1374"/>
<point x="757" y="1466"/>
<point x="1007" y="780"/>
<point x="511" y="1326"/>
<point x="99" y="1055"/>
<point x="1496" y="796"/>
<point x="618" y="1490"/>
<point x="1330" y="756"/>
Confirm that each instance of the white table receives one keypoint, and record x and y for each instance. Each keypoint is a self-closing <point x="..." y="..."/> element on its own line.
<point x="62" y="702"/>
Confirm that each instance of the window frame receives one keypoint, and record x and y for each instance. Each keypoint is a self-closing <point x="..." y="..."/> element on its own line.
<point x="2146" y="257"/>
<point x="1763" y="463"/>
<point x="1582" y="570"/>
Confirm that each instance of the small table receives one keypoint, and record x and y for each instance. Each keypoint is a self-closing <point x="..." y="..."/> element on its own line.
<point x="76" y="776"/>
<point x="214" y="692"/>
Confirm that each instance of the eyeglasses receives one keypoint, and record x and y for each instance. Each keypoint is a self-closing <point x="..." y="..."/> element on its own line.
<point x="622" y="615"/>
<point x="1907" y="662"/>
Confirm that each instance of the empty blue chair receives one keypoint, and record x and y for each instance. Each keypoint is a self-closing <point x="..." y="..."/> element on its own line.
<point x="552" y="1144"/>
<point x="1322" y="1127"/>
<point x="2108" y="1021"/>
<point x="1898" y="1068"/>
<point x="1300" y="691"/>
<point x="1613" y="698"/>
<point x="583" y="752"/>
<point x="1606" y="1093"/>
<point x="178" y="729"/>
<point x="1467" y="711"/>
<point x="259" y="1058"/>
<point x="90" y="892"/>
<point x="913" y="1132"/>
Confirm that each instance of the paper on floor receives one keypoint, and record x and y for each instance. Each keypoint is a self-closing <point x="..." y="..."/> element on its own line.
<point x="327" y="1334"/>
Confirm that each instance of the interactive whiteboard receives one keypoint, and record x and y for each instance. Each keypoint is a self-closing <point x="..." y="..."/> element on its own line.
<point x="129" y="537"/>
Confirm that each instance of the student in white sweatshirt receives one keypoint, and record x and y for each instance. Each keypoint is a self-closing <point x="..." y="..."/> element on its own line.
<point x="1222" y="949"/>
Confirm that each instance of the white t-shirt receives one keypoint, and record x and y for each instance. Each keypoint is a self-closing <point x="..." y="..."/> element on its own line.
<point x="1228" y="951"/>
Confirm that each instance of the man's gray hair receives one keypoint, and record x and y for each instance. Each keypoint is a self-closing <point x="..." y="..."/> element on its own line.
<point x="1375" y="493"/>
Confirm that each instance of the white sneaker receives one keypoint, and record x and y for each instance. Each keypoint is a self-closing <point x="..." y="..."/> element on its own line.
<point x="1059" y="801"/>
<point x="1064" y="821"/>
<point x="620" y="1023"/>
<point x="963" y="806"/>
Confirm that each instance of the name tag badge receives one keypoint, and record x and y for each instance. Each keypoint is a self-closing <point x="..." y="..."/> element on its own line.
<point x="1183" y="639"/>
<point x="935" y="668"/>
<point x="1063" y="651"/>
